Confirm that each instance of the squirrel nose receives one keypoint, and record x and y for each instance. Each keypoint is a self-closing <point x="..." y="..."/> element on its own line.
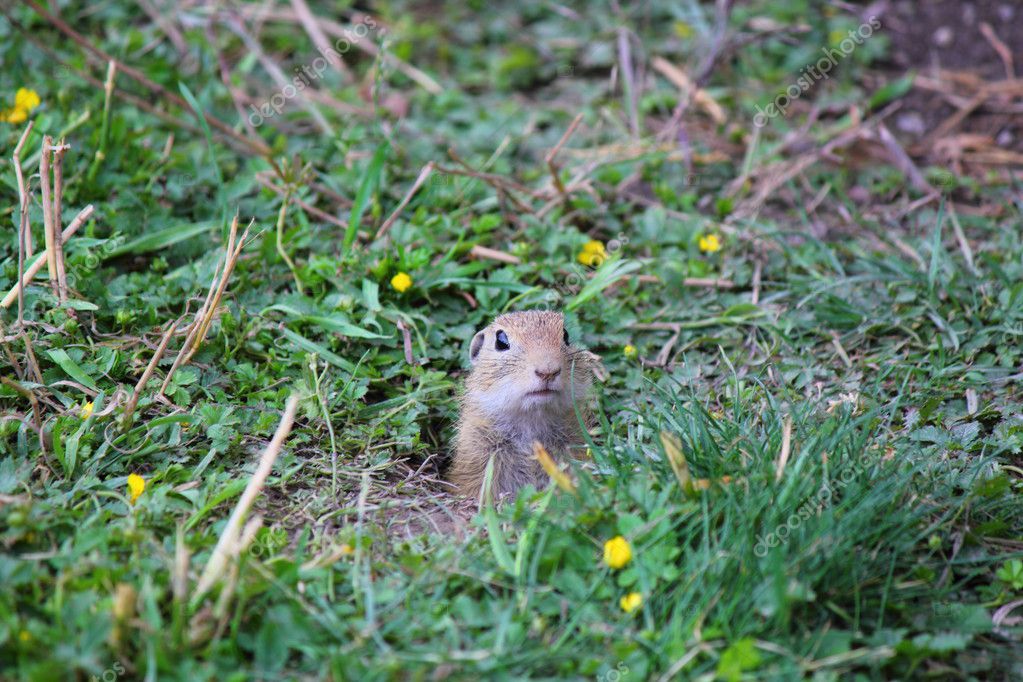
<point x="548" y="375"/>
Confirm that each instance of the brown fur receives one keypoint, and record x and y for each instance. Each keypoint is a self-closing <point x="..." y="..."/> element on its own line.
<point x="500" y="418"/>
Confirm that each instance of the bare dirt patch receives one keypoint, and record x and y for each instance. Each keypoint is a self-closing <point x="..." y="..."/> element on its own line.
<point x="958" y="49"/>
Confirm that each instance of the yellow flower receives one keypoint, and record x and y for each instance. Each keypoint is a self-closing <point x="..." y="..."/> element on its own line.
<point x="630" y="351"/>
<point x="26" y="99"/>
<point x="631" y="602"/>
<point x="14" y="115"/>
<point x="593" y="254"/>
<point x="683" y="29"/>
<point x="87" y="410"/>
<point x="25" y="636"/>
<point x="709" y="243"/>
<point x="136" y="484"/>
<point x="401" y="282"/>
<point x="617" y="552"/>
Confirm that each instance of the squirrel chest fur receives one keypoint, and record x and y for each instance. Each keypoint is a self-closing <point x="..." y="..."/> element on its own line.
<point x="525" y="382"/>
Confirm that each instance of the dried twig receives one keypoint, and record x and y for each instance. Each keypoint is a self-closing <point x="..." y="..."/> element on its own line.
<point x="36" y="415"/>
<point x="1001" y="617"/>
<point x="549" y="158"/>
<point x="52" y="241"/>
<point x="688" y="89"/>
<point x="308" y="208"/>
<point x="758" y="270"/>
<point x="11" y="358"/>
<point x="312" y="26"/>
<point x="42" y="258"/>
<point x="406" y="340"/>
<point x="230" y="260"/>
<point x="24" y="232"/>
<point x="964" y="245"/>
<point x="225" y="77"/>
<point x="629" y="78"/>
<point x="167" y="26"/>
<point x="30" y="356"/>
<point x="724" y="9"/>
<point x="954" y="120"/>
<point x="775" y="175"/>
<point x="840" y="349"/>
<point x="709" y="282"/>
<point x="664" y="355"/>
<point x="900" y="159"/>
<point x="337" y="30"/>
<point x="254" y="145"/>
<point x="229" y="544"/>
<point x="501" y="184"/>
<point x="205" y="315"/>
<point x="58" y="198"/>
<point x="129" y="409"/>
<point x="175" y="121"/>
<point x="277" y="74"/>
<point x="423" y="175"/>
<point x="1003" y="50"/>
<point x="478" y="251"/>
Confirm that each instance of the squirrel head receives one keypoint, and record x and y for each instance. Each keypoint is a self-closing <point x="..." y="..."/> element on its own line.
<point x="525" y="363"/>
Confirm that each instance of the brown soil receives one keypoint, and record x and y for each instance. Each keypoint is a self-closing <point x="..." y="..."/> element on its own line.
<point x="947" y="35"/>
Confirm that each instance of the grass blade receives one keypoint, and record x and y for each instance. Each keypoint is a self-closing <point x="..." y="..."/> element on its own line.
<point x="370" y="181"/>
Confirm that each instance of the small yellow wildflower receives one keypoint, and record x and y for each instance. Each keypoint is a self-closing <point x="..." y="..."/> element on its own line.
<point x="14" y="115"/>
<point x="617" y="552"/>
<point x="345" y="549"/>
<point x="25" y="101"/>
<point x="593" y="254"/>
<point x="630" y="351"/>
<point x="631" y="602"/>
<point x="25" y="636"/>
<point x="709" y="243"/>
<point x="683" y="29"/>
<point x="136" y="484"/>
<point x="87" y="410"/>
<point x="401" y="282"/>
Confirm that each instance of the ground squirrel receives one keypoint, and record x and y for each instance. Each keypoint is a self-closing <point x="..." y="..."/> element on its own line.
<point x="525" y="374"/>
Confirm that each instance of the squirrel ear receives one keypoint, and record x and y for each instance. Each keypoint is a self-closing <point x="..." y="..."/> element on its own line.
<point x="475" y="346"/>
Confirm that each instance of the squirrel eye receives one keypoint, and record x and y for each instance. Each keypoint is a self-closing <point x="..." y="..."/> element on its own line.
<point x="501" y="341"/>
<point x="567" y="342"/>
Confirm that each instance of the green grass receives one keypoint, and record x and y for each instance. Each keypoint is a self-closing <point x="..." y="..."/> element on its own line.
<point x="882" y="548"/>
